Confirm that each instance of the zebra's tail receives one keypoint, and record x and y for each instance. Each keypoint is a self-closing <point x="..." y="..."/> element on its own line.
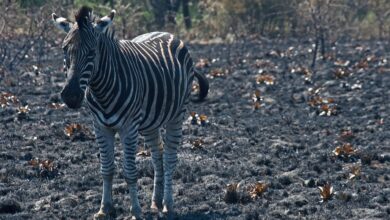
<point x="203" y="86"/>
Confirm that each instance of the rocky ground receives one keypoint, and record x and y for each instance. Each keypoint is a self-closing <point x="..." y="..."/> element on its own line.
<point x="276" y="132"/>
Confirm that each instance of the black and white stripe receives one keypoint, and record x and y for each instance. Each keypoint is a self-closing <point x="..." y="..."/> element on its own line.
<point x="140" y="86"/>
<point x="133" y="86"/>
<point x="148" y="80"/>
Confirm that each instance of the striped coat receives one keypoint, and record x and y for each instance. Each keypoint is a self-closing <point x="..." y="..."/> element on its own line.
<point x="131" y="86"/>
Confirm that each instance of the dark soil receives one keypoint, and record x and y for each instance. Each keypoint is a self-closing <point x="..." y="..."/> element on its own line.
<point x="286" y="143"/>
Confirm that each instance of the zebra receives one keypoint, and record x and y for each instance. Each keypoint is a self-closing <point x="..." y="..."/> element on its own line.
<point x="132" y="87"/>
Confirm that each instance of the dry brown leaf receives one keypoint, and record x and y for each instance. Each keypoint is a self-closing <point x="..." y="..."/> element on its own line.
<point x="72" y="128"/>
<point x="341" y="73"/>
<point x="203" y="119"/>
<point x="218" y="72"/>
<point x="362" y="64"/>
<point x="257" y="105"/>
<point x="344" y="150"/>
<point x="328" y="110"/>
<point x="194" y="118"/>
<point x="315" y="101"/>
<point x="266" y="79"/>
<point x="197" y="143"/>
<point x="34" y="162"/>
<point x="258" y="189"/>
<point x="256" y="97"/>
<point x="301" y="70"/>
<point x="257" y="100"/>
<point x="355" y="171"/>
<point x="326" y="106"/>
<point x="343" y="63"/>
<point x="23" y="109"/>
<point x="328" y="100"/>
<point x="318" y="101"/>
<point x="198" y="120"/>
<point x="144" y="153"/>
<point x="45" y="168"/>
<point x="202" y="63"/>
<point x="47" y="164"/>
<point x="263" y="63"/>
<point x="7" y="99"/>
<point x="326" y="191"/>
<point x="195" y="87"/>
<point x="56" y="105"/>
<point x="337" y="151"/>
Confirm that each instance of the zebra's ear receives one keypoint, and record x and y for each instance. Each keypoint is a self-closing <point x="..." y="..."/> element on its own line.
<point x="61" y="23"/>
<point x="103" y="23"/>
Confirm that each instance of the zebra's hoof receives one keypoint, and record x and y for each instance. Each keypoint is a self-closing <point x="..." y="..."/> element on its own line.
<point x="154" y="208"/>
<point x="106" y="212"/>
<point x="133" y="217"/>
<point x="167" y="205"/>
<point x="136" y="213"/>
<point x="167" y="209"/>
<point x="102" y="216"/>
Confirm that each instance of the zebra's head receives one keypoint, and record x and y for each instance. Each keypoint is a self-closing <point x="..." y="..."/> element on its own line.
<point x="80" y="51"/>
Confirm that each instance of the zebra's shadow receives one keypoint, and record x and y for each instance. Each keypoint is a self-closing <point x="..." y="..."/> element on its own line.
<point x="187" y="216"/>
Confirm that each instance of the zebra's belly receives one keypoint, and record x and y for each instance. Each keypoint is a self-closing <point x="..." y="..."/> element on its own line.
<point x="154" y="113"/>
<point x="163" y="111"/>
<point x="165" y="95"/>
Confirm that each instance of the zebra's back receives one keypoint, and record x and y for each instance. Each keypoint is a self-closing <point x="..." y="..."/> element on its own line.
<point x="166" y="75"/>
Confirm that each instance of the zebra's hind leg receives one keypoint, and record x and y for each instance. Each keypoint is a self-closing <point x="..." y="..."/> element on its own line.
<point x="129" y="138"/>
<point x="153" y="140"/>
<point x="172" y="141"/>
<point x="105" y="140"/>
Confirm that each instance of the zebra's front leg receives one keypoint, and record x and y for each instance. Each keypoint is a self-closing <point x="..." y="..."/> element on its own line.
<point x="129" y="138"/>
<point x="153" y="140"/>
<point x="105" y="140"/>
<point x="172" y="141"/>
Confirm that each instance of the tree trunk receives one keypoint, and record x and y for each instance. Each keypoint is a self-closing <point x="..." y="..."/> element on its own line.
<point x="322" y="38"/>
<point x="160" y="9"/>
<point x="186" y="15"/>
<point x="313" y="63"/>
<point x="112" y="3"/>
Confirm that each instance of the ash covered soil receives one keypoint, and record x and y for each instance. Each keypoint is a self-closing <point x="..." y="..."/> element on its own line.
<point x="271" y="121"/>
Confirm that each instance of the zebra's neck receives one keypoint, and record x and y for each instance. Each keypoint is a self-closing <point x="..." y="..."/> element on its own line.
<point x="112" y="86"/>
<point x="106" y="65"/>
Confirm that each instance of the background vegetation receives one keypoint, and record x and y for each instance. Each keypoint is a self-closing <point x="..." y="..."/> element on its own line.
<point x="26" y="29"/>
<point x="298" y="102"/>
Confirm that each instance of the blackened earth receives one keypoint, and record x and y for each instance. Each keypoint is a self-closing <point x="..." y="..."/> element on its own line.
<point x="286" y="143"/>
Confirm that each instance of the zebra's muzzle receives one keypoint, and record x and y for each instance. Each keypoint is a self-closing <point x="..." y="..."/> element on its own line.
<point x="73" y="97"/>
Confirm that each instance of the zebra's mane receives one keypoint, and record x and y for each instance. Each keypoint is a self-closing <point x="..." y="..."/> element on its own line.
<point x="110" y="33"/>
<point x="73" y="35"/>
<point x="84" y="12"/>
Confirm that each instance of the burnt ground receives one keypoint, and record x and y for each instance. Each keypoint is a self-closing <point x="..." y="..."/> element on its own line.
<point x="288" y="142"/>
